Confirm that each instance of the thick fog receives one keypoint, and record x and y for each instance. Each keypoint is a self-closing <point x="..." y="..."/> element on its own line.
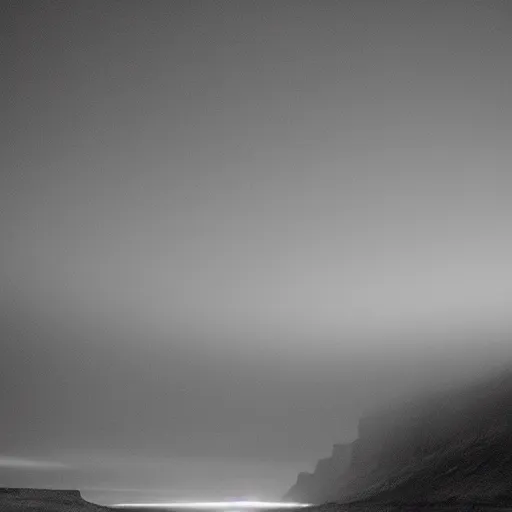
<point x="230" y="228"/>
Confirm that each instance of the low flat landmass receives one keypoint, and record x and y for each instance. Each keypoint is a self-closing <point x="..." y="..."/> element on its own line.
<point x="46" y="500"/>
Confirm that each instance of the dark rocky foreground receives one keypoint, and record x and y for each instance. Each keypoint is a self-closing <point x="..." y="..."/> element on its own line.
<point x="43" y="500"/>
<point x="437" y="507"/>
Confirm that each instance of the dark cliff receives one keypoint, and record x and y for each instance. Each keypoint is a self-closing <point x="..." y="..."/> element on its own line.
<point x="312" y="487"/>
<point x="454" y="447"/>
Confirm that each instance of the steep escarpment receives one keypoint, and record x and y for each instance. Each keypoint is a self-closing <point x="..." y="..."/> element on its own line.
<point x="451" y="447"/>
<point x="312" y="487"/>
<point x="45" y="500"/>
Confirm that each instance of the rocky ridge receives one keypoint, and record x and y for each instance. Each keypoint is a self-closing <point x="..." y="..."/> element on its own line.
<point x="452" y="447"/>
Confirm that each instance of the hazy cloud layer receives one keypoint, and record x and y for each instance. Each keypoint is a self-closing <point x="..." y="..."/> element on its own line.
<point x="29" y="464"/>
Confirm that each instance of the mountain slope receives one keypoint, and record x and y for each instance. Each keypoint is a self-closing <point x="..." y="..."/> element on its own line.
<point x="451" y="447"/>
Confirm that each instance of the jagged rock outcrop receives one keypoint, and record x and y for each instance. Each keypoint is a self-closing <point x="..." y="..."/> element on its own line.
<point x="45" y="500"/>
<point x="312" y="487"/>
<point x="454" y="447"/>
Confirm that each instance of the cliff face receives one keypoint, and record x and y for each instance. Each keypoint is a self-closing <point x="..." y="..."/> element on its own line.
<point x="452" y="447"/>
<point x="312" y="487"/>
<point x="45" y="500"/>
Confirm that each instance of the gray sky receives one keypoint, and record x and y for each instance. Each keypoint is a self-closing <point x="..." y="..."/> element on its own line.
<point x="230" y="227"/>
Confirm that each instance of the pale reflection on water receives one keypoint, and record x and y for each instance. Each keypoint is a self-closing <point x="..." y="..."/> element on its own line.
<point x="228" y="506"/>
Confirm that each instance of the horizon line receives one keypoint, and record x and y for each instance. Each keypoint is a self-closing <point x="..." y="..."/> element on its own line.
<point x="218" y="504"/>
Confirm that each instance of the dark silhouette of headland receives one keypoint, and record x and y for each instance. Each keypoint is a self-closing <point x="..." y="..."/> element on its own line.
<point x="444" y="449"/>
